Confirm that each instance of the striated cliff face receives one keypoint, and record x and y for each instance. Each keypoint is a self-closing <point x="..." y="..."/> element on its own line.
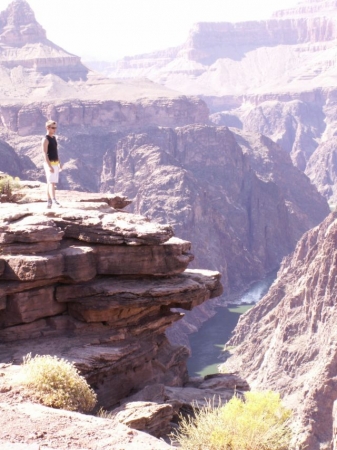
<point x="309" y="7"/>
<point x="322" y="169"/>
<point x="288" y="341"/>
<point x="79" y="115"/>
<point x="241" y="188"/>
<point x="295" y="125"/>
<point x="209" y="42"/>
<point x="96" y="285"/>
<point x="305" y="127"/>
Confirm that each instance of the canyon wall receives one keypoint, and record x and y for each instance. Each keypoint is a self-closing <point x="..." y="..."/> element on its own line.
<point x="288" y="341"/>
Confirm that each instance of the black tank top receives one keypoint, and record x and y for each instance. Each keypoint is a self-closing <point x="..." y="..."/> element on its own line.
<point x="52" y="149"/>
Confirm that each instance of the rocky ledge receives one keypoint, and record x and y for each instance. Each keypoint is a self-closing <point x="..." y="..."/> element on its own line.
<point x="96" y="285"/>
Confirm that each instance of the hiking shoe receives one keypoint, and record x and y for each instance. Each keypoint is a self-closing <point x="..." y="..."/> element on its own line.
<point x="49" y="204"/>
<point x="55" y="202"/>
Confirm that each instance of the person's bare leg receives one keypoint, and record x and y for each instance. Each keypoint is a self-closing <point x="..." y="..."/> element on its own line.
<point x="52" y="191"/>
<point x="48" y="194"/>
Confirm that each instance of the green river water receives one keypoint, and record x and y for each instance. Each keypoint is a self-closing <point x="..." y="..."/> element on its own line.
<point x="208" y="343"/>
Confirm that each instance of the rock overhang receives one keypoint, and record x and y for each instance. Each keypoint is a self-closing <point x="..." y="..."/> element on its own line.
<point x="96" y="285"/>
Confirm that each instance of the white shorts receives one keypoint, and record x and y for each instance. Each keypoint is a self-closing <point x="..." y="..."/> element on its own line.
<point x="52" y="177"/>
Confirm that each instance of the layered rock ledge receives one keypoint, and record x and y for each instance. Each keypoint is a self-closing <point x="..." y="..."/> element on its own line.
<point x="96" y="285"/>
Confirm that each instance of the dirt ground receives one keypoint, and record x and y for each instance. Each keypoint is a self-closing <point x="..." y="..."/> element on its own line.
<point x="28" y="425"/>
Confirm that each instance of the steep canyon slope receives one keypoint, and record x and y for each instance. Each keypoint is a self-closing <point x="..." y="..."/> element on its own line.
<point x="241" y="189"/>
<point x="288" y="341"/>
<point x="276" y="77"/>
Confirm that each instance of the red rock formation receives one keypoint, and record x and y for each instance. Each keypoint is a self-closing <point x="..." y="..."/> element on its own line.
<point x="288" y="341"/>
<point x="96" y="287"/>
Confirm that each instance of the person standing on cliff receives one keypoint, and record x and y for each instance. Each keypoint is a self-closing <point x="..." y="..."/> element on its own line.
<point x="52" y="164"/>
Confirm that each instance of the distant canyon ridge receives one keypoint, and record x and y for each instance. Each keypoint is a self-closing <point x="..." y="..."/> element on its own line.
<point x="277" y="77"/>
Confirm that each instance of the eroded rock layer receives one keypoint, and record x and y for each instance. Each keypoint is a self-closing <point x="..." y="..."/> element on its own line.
<point x="288" y="342"/>
<point x="96" y="285"/>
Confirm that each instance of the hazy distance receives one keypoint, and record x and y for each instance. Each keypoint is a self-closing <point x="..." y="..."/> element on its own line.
<point x="111" y="29"/>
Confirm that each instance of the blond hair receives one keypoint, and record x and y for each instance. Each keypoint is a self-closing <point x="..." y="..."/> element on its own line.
<point x="49" y="123"/>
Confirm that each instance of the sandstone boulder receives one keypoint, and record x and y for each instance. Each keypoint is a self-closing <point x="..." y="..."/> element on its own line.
<point x="74" y="263"/>
<point x="217" y="389"/>
<point x="221" y="381"/>
<point x="188" y="397"/>
<point x="33" y="267"/>
<point x="170" y="258"/>
<point x="28" y="306"/>
<point x="25" y="228"/>
<point x="153" y="418"/>
<point x="118" y="228"/>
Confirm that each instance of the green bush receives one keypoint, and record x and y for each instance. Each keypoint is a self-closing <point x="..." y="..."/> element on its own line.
<point x="259" y="422"/>
<point x="56" y="382"/>
<point x="8" y="185"/>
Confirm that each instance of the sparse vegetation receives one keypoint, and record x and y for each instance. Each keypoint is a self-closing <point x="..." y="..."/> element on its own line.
<point x="260" y="422"/>
<point x="8" y="185"/>
<point x="57" y="383"/>
<point x="103" y="414"/>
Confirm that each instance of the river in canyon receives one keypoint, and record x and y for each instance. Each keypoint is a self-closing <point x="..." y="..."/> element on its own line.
<point x="208" y="343"/>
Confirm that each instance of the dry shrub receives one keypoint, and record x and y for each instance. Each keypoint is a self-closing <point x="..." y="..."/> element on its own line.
<point x="57" y="383"/>
<point x="103" y="414"/>
<point x="260" y="422"/>
<point x="8" y="185"/>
